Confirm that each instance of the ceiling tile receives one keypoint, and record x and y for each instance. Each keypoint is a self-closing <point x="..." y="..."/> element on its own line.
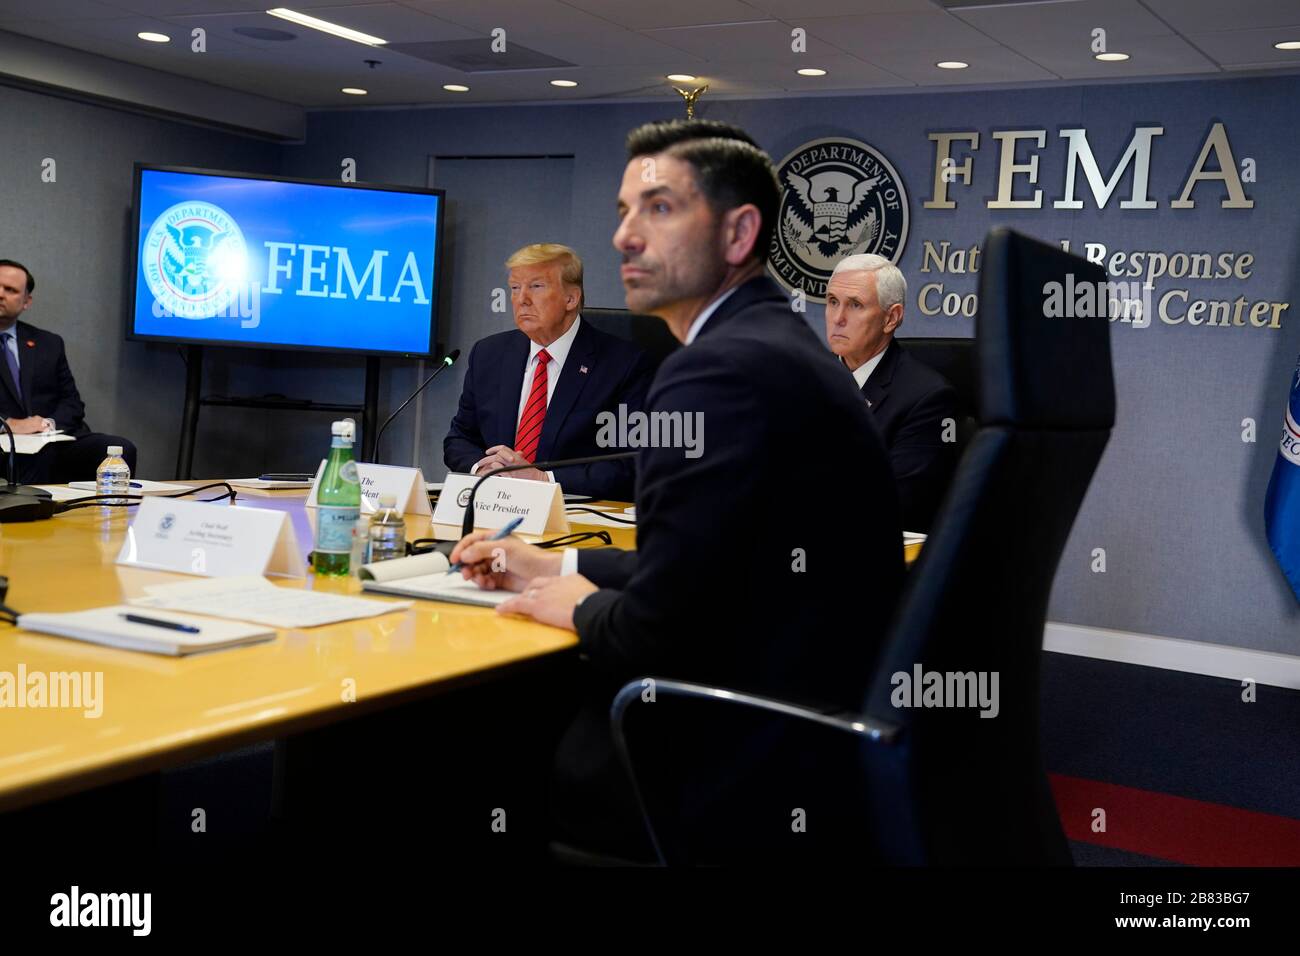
<point x="58" y="10"/>
<point x="735" y="42"/>
<point x="1149" y="56"/>
<point x="795" y="10"/>
<point x="987" y="65"/>
<point x="549" y="26"/>
<point x="865" y="35"/>
<point x="1209" y="16"/>
<point x="1248" y="46"/>
<point x="1066" y="23"/>
<point x="640" y="15"/>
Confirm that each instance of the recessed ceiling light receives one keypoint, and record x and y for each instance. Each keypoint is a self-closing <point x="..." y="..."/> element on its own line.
<point x="681" y="77"/>
<point x="455" y="88"/>
<point x="1287" y="45"/>
<point x="564" y="83"/>
<point x="155" y="37"/>
<point x="951" y="65"/>
<point x="1111" y="57"/>
<point x="811" y="71"/>
<point x="354" y="91"/>
<point x="293" y="16"/>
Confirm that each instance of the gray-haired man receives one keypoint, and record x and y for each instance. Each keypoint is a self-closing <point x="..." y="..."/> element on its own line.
<point x="909" y="400"/>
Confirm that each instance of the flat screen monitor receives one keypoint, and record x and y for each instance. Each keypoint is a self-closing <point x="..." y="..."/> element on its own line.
<point x="247" y="260"/>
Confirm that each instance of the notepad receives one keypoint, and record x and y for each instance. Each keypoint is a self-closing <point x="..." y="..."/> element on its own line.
<point x="425" y="576"/>
<point x="253" y="598"/>
<point x="263" y="484"/>
<point x="105" y="625"/>
<point x="31" y="444"/>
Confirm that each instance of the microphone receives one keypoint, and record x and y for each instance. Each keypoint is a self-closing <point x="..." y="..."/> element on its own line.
<point x="467" y="525"/>
<point x="447" y="361"/>
<point x="13" y="488"/>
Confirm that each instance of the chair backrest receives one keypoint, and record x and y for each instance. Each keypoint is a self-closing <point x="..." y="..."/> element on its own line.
<point x="954" y="359"/>
<point x="647" y="331"/>
<point x="976" y="602"/>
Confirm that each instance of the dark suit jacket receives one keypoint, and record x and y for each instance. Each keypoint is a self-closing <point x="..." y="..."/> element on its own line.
<point x="909" y="401"/>
<point x="758" y="566"/>
<point x="617" y="372"/>
<point x="48" y="388"/>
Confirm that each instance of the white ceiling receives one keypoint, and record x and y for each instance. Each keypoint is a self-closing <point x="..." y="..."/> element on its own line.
<point x="623" y="48"/>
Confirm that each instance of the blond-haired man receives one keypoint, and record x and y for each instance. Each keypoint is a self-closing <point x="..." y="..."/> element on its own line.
<point x="534" y="393"/>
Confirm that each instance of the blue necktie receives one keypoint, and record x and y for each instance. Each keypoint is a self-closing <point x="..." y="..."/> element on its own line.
<point x="11" y="357"/>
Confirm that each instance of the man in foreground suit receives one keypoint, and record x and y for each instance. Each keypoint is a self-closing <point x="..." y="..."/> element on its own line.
<point x="756" y="561"/>
<point x="38" y="393"/>
<point x="911" y="403"/>
<point x="534" y="394"/>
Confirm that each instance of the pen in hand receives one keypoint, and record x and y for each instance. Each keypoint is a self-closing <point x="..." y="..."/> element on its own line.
<point x="503" y="533"/>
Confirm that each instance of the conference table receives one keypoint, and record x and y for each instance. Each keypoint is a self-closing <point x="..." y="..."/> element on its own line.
<point x="161" y="712"/>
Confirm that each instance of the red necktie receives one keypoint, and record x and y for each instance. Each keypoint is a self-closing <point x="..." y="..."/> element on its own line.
<point x="530" y="422"/>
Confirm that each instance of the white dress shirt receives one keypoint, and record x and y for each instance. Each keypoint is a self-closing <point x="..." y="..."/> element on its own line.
<point x="863" y="371"/>
<point x="706" y="314"/>
<point x="559" y="352"/>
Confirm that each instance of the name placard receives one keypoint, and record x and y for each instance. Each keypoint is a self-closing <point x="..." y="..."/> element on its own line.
<point x="190" y="537"/>
<point x="502" y="499"/>
<point x="404" y="484"/>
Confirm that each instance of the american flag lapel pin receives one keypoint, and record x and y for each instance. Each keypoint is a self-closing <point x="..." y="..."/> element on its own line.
<point x="582" y="369"/>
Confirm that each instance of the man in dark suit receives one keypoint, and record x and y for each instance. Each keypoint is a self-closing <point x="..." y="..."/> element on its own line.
<point x="748" y="553"/>
<point x="535" y="394"/>
<point x="914" y="406"/>
<point x="38" y="393"/>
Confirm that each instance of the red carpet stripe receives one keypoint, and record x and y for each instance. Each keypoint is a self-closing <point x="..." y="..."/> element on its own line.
<point x="1174" y="828"/>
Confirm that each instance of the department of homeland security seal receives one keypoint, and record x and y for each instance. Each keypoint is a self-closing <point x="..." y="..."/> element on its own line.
<point x="839" y="197"/>
<point x="195" y="261"/>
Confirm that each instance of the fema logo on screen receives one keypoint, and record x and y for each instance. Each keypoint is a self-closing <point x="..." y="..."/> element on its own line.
<point x="195" y="261"/>
<point x="839" y="197"/>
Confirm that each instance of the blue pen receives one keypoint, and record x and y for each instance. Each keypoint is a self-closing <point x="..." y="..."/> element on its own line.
<point x="503" y="533"/>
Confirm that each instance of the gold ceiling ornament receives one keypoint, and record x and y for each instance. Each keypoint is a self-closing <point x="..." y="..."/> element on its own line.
<point x="690" y="96"/>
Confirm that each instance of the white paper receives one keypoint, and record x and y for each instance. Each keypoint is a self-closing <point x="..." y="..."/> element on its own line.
<point x="261" y="484"/>
<point x="31" y="444"/>
<point x="443" y="587"/>
<point x="586" y="517"/>
<point x="63" y="492"/>
<point x="252" y="598"/>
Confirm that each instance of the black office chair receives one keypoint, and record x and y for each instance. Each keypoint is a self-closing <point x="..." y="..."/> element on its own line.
<point x="909" y="785"/>
<point x="648" y="331"/>
<point x="954" y="359"/>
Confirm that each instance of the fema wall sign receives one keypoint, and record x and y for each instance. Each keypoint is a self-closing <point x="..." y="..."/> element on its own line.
<point x="839" y="197"/>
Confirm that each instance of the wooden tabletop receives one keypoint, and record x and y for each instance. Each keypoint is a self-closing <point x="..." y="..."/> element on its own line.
<point x="161" y="711"/>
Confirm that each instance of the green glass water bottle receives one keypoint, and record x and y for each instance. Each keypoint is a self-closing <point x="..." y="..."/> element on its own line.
<point x="339" y="504"/>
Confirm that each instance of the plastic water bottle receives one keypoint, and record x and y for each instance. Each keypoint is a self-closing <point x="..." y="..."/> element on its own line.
<point x="387" y="531"/>
<point x="339" y="504"/>
<point x="113" y="476"/>
<point x="360" y="543"/>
